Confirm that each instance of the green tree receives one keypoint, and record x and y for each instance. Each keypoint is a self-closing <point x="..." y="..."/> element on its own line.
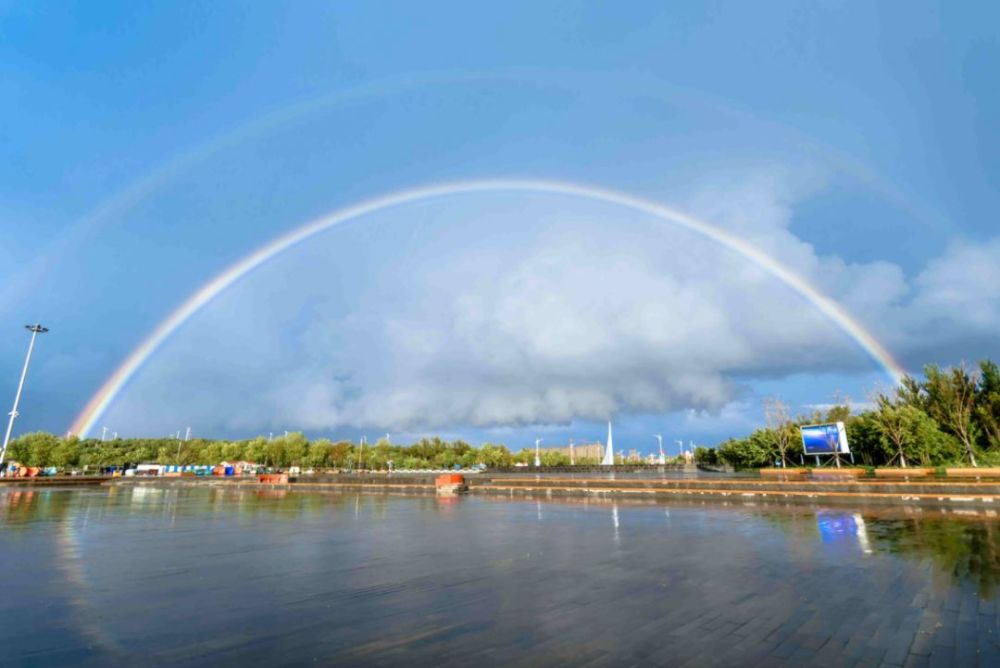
<point x="755" y="451"/>
<point x="554" y="458"/>
<point x="494" y="456"/>
<point x="778" y="420"/>
<point x="341" y="452"/>
<point x="950" y="397"/>
<point x="923" y="439"/>
<point x="703" y="455"/>
<point x="233" y="451"/>
<point x="839" y="412"/>
<point x="320" y="454"/>
<point x="987" y="409"/>
<point x="864" y="434"/>
<point x="67" y="453"/>
<point x="257" y="451"/>
<point x="294" y="449"/>
<point x="889" y="415"/>
<point x="34" y="449"/>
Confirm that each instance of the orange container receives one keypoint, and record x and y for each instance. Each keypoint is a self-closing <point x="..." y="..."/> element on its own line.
<point x="273" y="478"/>
<point x="449" y="479"/>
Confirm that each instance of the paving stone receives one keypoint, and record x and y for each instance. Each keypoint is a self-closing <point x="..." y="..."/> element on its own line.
<point x="941" y="657"/>
<point x="916" y="661"/>
<point x="922" y="644"/>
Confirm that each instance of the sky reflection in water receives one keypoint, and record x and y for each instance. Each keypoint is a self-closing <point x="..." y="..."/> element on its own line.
<point x="216" y="576"/>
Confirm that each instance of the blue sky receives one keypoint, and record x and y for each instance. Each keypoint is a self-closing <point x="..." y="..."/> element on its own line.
<point x="147" y="148"/>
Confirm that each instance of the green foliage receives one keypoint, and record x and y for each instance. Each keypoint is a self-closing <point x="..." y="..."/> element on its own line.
<point x="294" y="449"/>
<point x="838" y="413"/>
<point x="987" y="405"/>
<point x="911" y="435"/>
<point x="703" y="455"/>
<point x="865" y="437"/>
<point x="949" y="396"/>
<point x="757" y="450"/>
<point x="924" y="441"/>
<point x="950" y="415"/>
<point x="495" y="456"/>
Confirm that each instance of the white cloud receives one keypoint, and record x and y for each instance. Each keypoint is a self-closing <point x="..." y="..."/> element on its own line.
<point x="509" y="310"/>
<point x="963" y="285"/>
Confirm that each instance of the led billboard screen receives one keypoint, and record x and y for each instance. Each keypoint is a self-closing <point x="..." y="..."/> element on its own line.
<point x="825" y="439"/>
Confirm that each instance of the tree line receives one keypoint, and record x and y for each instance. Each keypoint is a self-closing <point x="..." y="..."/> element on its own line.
<point x="294" y="449"/>
<point x="951" y="416"/>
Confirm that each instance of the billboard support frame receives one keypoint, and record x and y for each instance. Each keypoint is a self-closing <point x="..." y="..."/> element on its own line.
<point x="836" y="459"/>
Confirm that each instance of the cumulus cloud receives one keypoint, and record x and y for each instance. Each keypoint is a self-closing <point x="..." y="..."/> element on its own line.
<point x="513" y="310"/>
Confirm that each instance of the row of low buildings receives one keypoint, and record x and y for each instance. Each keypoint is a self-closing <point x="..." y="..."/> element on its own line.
<point x="593" y="451"/>
<point x="222" y="469"/>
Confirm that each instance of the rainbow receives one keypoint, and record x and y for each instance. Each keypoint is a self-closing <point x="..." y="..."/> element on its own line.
<point x="102" y="400"/>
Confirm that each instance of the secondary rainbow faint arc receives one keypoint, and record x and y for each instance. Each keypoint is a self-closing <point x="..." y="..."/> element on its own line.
<point x="106" y="395"/>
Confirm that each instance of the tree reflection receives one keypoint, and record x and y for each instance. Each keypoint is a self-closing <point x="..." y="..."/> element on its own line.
<point x="964" y="547"/>
<point x="967" y="550"/>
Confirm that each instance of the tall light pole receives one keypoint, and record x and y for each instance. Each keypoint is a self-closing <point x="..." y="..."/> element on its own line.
<point x="35" y="330"/>
<point x="663" y="457"/>
<point x="680" y="447"/>
<point x="572" y="454"/>
<point x="538" y="459"/>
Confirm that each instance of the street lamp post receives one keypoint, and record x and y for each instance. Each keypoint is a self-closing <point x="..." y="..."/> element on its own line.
<point x="663" y="457"/>
<point x="35" y="330"/>
<point x="538" y="459"/>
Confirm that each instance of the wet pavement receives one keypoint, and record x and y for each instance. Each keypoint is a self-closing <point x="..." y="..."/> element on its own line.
<point x="224" y="576"/>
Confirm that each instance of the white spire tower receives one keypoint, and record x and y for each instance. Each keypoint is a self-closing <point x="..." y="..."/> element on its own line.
<point x="609" y="453"/>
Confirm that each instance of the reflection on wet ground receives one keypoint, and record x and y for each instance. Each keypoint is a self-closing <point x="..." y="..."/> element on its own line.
<point x="227" y="576"/>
